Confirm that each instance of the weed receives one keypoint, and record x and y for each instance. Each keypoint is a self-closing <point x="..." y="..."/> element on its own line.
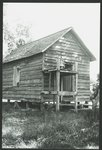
<point x="53" y="129"/>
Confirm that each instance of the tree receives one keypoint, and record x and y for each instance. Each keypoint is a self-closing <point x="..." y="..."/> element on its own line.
<point x="14" y="37"/>
<point x="23" y="34"/>
<point x="8" y="37"/>
<point x="20" y="36"/>
<point x="96" y="92"/>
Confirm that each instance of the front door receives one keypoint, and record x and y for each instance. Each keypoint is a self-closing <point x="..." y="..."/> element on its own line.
<point x="66" y="83"/>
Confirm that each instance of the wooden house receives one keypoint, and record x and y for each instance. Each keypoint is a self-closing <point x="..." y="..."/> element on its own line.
<point x="55" y="68"/>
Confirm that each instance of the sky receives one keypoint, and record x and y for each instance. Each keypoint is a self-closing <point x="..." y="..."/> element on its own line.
<point x="48" y="18"/>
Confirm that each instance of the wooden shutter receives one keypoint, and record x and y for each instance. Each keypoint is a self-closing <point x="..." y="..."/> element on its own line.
<point x="14" y="76"/>
<point x="18" y="75"/>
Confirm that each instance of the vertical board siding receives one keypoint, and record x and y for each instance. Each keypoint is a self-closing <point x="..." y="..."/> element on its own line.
<point x="30" y="79"/>
<point x="69" y="49"/>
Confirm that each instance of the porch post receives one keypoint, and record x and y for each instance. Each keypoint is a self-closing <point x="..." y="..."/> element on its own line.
<point x="58" y="84"/>
<point x="61" y="88"/>
<point x="76" y="98"/>
<point x="49" y="81"/>
<point x="76" y="109"/>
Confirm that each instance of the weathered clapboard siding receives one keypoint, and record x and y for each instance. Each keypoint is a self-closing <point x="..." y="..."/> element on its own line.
<point x="30" y="85"/>
<point x="67" y="48"/>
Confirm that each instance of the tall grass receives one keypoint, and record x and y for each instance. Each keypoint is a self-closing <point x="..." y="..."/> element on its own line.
<point x="59" y="129"/>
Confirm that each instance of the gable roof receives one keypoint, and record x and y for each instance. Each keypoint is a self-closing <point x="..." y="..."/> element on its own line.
<point x="41" y="45"/>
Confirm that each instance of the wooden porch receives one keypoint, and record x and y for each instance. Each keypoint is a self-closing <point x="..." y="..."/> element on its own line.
<point x="61" y="96"/>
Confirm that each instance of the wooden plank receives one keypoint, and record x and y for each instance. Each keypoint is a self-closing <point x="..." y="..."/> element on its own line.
<point x="68" y="100"/>
<point x="49" y="93"/>
<point x="31" y="89"/>
<point x="31" y="77"/>
<point x="73" y="83"/>
<point x="65" y="93"/>
<point x="76" y="76"/>
<point x="32" y="80"/>
<point x="54" y="82"/>
<point x="14" y="94"/>
<point x="76" y="87"/>
<point x="58" y="84"/>
<point x="32" y="69"/>
<point x="83" y="81"/>
<point x="35" y="80"/>
<point x="76" y="99"/>
<point x="10" y="96"/>
<point x="61" y="88"/>
<point x="69" y="72"/>
<point x="27" y="99"/>
<point x="71" y="104"/>
<point x="49" y="81"/>
<point x="68" y="53"/>
<point x="44" y="92"/>
<point x="83" y="88"/>
<point x="42" y="81"/>
<point x="57" y="103"/>
<point x="7" y="82"/>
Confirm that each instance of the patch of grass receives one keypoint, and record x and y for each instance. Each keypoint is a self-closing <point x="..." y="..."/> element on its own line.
<point x="55" y="129"/>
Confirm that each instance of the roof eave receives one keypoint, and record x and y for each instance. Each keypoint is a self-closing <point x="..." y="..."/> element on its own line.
<point x="4" y="62"/>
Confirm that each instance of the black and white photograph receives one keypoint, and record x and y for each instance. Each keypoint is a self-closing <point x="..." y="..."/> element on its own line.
<point x="51" y="75"/>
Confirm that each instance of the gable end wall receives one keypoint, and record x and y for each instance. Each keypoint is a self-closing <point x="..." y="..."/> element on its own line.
<point x="70" y="50"/>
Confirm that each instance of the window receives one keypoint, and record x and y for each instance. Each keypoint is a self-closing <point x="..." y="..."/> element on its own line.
<point x="49" y="81"/>
<point x="68" y="80"/>
<point x="16" y="76"/>
<point x="68" y="66"/>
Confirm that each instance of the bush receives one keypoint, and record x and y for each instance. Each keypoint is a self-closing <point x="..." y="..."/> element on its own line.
<point x="9" y="139"/>
<point x="30" y="133"/>
<point x="91" y="116"/>
<point x="7" y="107"/>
